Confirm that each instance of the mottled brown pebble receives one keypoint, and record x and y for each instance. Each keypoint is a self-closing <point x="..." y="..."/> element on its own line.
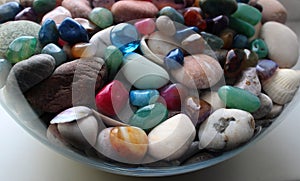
<point x="78" y="8"/>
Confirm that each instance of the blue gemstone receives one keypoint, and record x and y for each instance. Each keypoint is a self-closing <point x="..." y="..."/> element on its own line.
<point x="266" y="68"/>
<point x="9" y="10"/>
<point x="186" y="32"/>
<point x="5" y="67"/>
<point x="55" y="51"/>
<point x="142" y="98"/>
<point x="174" y="59"/>
<point x="240" y="41"/>
<point x="126" y="37"/>
<point x="48" y="32"/>
<point x="72" y="32"/>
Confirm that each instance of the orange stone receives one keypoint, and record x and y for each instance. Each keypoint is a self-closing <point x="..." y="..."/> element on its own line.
<point x="80" y="50"/>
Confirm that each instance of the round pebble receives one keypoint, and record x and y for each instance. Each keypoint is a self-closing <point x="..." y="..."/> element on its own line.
<point x="102" y="17"/>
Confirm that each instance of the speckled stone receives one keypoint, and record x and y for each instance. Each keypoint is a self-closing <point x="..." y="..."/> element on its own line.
<point x="249" y="81"/>
<point x="14" y="29"/>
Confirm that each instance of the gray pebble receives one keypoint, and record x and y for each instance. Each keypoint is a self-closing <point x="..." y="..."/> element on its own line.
<point x="249" y="81"/>
<point x="5" y="67"/>
<point x="265" y="106"/>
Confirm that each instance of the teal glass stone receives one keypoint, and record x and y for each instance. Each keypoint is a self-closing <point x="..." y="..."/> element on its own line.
<point x="55" y="51"/>
<point x="21" y="48"/>
<point x="142" y="98"/>
<point x="43" y="6"/>
<point x="102" y="17"/>
<point x="126" y="37"/>
<point x="237" y="98"/>
<point x="241" y="26"/>
<point x="212" y="40"/>
<point x="172" y="13"/>
<point x="5" y="67"/>
<point x="247" y="13"/>
<point x="113" y="58"/>
<point x="260" y="48"/>
<point x="149" y="116"/>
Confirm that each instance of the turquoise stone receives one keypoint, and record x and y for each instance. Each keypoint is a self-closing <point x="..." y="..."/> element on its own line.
<point x="55" y="51"/>
<point x="240" y="41"/>
<point x="213" y="41"/>
<point x="21" y="48"/>
<point x="241" y="27"/>
<point x="48" y="32"/>
<point x="172" y="13"/>
<point x="247" y="13"/>
<point x="218" y="7"/>
<point x="149" y="116"/>
<point x="43" y="6"/>
<point x="142" y="98"/>
<point x="72" y="32"/>
<point x="174" y="59"/>
<point x="5" y="67"/>
<point x="113" y="58"/>
<point x="102" y="17"/>
<point x="126" y="37"/>
<point x="260" y="48"/>
<point x="9" y="10"/>
<point x="237" y="98"/>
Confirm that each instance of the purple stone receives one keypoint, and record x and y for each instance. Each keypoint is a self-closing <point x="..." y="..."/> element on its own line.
<point x="217" y="24"/>
<point x="27" y="14"/>
<point x="266" y="68"/>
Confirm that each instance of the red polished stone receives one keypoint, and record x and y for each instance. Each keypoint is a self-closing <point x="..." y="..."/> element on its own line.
<point x="192" y="17"/>
<point x="112" y="98"/>
<point x="173" y="95"/>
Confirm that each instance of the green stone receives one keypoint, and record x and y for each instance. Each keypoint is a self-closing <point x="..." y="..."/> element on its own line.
<point x="149" y="116"/>
<point x="113" y="58"/>
<point x="43" y="6"/>
<point x="241" y="26"/>
<point x="251" y="59"/>
<point x="102" y="17"/>
<point x="212" y="40"/>
<point x="237" y="98"/>
<point x="218" y="7"/>
<point x="172" y="13"/>
<point x="56" y="52"/>
<point x="21" y="48"/>
<point x="247" y="13"/>
<point x="260" y="48"/>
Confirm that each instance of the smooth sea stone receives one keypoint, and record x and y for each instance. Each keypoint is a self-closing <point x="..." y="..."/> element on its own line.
<point x="43" y="6"/>
<point x="134" y="10"/>
<point x="11" y="30"/>
<point x="213" y="99"/>
<point x="274" y="34"/>
<point x="28" y="73"/>
<point x="238" y="98"/>
<point x="218" y="7"/>
<point x="243" y="12"/>
<point x="142" y="73"/>
<point x="56" y="52"/>
<point x="9" y="10"/>
<point x="142" y="98"/>
<point x="71" y="84"/>
<point x="275" y="111"/>
<point x="83" y="50"/>
<point x="48" y="32"/>
<point x="260" y="48"/>
<point x="145" y="26"/>
<point x="88" y="25"/>
<point x="174" y="4"/>
<point x="165" y="25"/>
<point x="240" y="41"/>
<point x="101" y="40"/>
<point x="102" y="17"/>
<point x="113" y="58"/>
<point x="172" y="13"/>
<point x="249" y="81"/>
<point x="27" y="14"/>
<point x="257" y="28"/>
<point x="58" y="15"/>
<point x="265" y="107"/>
<point x="241" y="27"/>
<point x="149" y="116"/>
<point x="212" y="40"/>
<point x="227" y="36"/>
<point x="78" y="8"/>
<point x="72" y="32"/>
<point x="5" y="67"/>
<point x="194" y="44"/>
<point x="273" y="10"/>
<point x="193" y="17"/>
<point x="172" y="138"/>
<point x="103" y="3"/>
<point x="185" y="32"/>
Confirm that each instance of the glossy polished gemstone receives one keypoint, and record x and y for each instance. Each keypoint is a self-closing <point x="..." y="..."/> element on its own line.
<point x="251" y="59"/>
<point x="145" y="26"/>
<point x="260" y="48"/>
<point x="21" y="48"/>
<point x="174" y="59"/>
<point x="218" y="7"/>
<point x="213" y="41"/>
<point x="234" y="61"/>
<point x="48" y="32"/>
<point x="227" y="36"/>
<point x="172" y="13"/>
<point x="113" y="58"/>
<point x="83" y="50"/>
<point x="125" y="36"/>
<point x="72" y="32"/>
<point x="240" y="41"/>
<point x="112" y="98"/>
<point x="266" y="68"/>
<point x="142" y="98"/>
<point x="149" y="116"/>
<point x="186" y="32"/>
<point x="243" y="12"/>
<point x="27" y="14"/>
<point x="173" y="95"/>
<point x="238" y="98"/>
<point x="192" y="17"/>
<point x="56" y="52"/>
<point x="9" y="10"/>
<point x="102" y="17"/>
<point x="217" y="24"/>
<point x="43" y="6"/>
<point x="241" y="26"/>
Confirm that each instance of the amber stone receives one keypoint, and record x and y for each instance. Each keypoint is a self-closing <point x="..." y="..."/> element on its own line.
<point x="192" y="17"/>
<point x="227" y="36"/>
<point x="83" y="50"/>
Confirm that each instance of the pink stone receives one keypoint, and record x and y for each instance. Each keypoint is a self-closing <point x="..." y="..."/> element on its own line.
<point x="145" y="26"/>
<point x="112" y="98"/>
<point x="173" y="95"/>
<point x="78" y="8"/>
<point x="58" y="15"/>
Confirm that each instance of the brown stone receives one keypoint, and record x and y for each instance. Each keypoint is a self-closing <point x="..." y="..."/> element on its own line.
<point x="57" y="15"/>
<point x="72" y="84"/>
<point x="78" y="8"/>
<point x="130" y="10"/>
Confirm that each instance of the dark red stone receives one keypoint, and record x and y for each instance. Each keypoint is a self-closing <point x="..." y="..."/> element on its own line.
<point x="173" y="95"/>
<point x="192" y="17"/>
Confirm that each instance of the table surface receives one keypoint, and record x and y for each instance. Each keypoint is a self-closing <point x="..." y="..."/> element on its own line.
<point x="275" y="157"/>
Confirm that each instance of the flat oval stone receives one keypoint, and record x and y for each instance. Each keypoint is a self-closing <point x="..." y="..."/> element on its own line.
<point x="172" y="13"/>
<point x="5" y="67"/>
<point x="71" y="84"/>
<point x="260" y="48"/>
<point x="102" y="17"/>
<point x="142" y="98"/>
<point x="9" y="10"/>
<point x="238" y="98"/>
<point x="134" y="10"/>
<point x="249" y="81"/>
<point x="165" y="25"/>
<point x="27" y="14"/>
<point x="58" y="15"/>
<point x="21" y="48"/>
<point x="163" y="146"/>
<point x="11" y="30"/>
<point x="48" y="32"/>
<point x="149" y="116"/>
<point x="217" y="7"/>
<point x="55" y="51"/>
<point x="72" y="32"/>
<point x="112" y="98"/>
<point x="243" y="12"/>
<point x="145" y="26"/>
<point x="265" y="107"/>
<point x="174" y="59"/>
<point x="142" y="73"/>
<point x="241" y="26"/>
<point x="78" y="8"/>
<point x="113" y="58"/>
<point x="266" y="68"/>
<point x="286" y="55"/>
<point x="173" y="95"/>
<point x="43" y="6"/>
<point x="199" y="72"/>
<point x="28" y="73"/>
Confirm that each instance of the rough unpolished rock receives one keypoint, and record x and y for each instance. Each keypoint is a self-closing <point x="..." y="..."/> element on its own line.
<point x="72" y="84"/>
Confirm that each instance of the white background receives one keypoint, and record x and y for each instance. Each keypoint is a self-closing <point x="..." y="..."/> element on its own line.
<point x="275" y="157"/>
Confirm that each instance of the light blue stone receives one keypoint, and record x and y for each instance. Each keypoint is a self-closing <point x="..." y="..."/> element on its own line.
<point x="5" y="67"/>
<point x="56" y="52"/>
<point x="142" y="98"/>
